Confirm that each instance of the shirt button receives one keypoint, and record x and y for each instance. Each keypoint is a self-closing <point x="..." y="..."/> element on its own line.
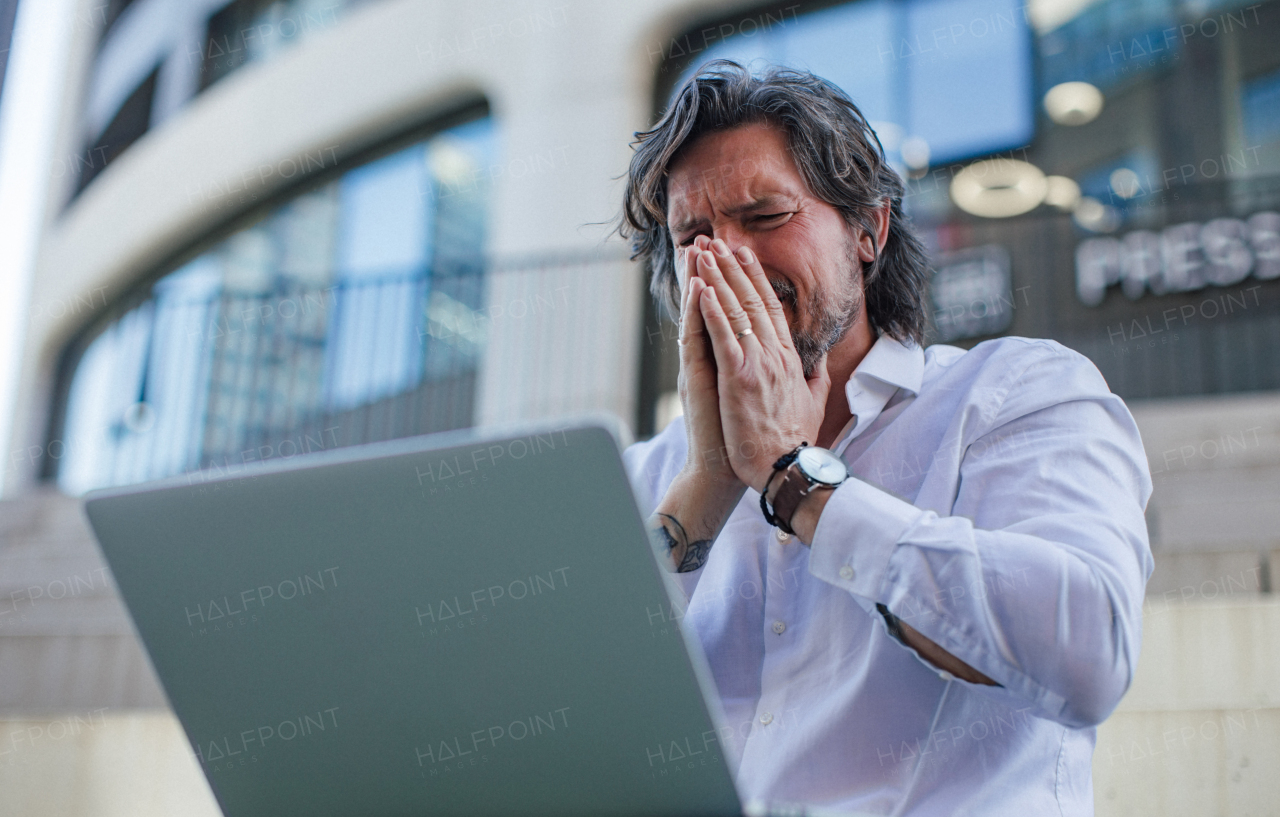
<point x="783" y="536"/>
<point x="766" y="719"/>
<point x="946" y="676"/>
<point x="779" y="627"/>
<point x="846" y="573"/>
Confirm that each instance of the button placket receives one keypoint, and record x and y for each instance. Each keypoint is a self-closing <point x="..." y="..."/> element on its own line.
<point x="783" y="567"/>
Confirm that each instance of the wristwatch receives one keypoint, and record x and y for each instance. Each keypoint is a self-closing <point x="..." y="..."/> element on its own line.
<point x="812" y="469"/>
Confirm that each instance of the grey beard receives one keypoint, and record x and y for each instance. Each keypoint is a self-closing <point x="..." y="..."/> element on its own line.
<point x="828" y="319"/>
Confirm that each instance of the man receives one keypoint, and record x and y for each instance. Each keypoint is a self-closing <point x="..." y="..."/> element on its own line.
<point x="947" y="625"/>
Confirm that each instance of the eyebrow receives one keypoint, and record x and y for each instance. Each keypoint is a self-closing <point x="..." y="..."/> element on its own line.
<point x="766" y="201"/>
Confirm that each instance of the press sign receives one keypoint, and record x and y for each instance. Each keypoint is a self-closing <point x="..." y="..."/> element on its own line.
<point x="1181" y="258"/>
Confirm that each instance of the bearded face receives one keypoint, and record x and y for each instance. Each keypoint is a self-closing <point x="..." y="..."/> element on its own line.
<point x="826" y="316"/>
<point x="743" y="186"/>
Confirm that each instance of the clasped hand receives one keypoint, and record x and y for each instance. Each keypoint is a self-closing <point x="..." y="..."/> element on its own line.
<point x="746" y="399"/>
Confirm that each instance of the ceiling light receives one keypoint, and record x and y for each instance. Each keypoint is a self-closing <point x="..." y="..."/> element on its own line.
<point x="1125" y="183"/>
<point x="1073" y="103"/>
<point x="450" y="162"/>
<point x="998" y="188"/>
<point x="1062" y="193"/>
<point x="1093" y="215"/>
<point x="915" y="153"/>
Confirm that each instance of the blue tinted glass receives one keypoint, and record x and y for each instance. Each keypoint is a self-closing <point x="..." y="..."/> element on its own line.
<point x="955" y="74"/>
<point x="969" y="85"/>
<point x="385" y="211"/>
<point x="1104" y="183"/>
<point x="851" y="46"/>
<point x="1109" y="44"/>
<point x="415" y="222"/>
<point x="1260" y="108"/>
<point x="364" y="289"/>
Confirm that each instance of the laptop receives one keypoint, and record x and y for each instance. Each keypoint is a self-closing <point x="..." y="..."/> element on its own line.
<point x="459" y="624"/>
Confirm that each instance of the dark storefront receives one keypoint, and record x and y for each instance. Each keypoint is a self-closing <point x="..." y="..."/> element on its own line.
<point x="1145" y="146"/>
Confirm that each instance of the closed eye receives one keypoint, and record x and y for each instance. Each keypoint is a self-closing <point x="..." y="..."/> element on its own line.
<point x="769" y="219"/>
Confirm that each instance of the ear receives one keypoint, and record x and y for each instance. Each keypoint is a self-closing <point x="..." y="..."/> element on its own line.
<point x="880" y="218"/>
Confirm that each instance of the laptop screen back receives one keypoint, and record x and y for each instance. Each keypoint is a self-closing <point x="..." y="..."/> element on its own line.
<point x="406" y="629"/>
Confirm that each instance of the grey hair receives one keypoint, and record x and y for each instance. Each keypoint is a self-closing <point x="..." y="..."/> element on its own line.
<point x="838" y="154"/>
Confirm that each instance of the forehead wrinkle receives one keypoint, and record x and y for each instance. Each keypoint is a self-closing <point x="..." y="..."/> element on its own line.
<point x="675" y="203"/>
<point x="759" y="202"/>
<point x="697" y="181"/>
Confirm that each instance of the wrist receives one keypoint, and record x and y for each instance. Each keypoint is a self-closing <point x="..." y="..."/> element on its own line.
<point x="803" y="473"/>
<point x="710" y="494"/>
<point x="694" y="509"/>
<point x="708" y="481"/>
<point x="767" y="482"/>
<point x="805" y="519"/>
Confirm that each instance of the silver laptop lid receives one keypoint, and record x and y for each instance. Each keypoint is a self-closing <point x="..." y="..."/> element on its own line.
<point x="454" y="624"/>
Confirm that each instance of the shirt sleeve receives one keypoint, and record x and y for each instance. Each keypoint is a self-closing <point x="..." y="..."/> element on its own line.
<point x="1036" y="579"/>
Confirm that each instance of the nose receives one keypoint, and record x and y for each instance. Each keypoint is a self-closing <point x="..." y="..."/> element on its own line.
<point x="731" y="234"/>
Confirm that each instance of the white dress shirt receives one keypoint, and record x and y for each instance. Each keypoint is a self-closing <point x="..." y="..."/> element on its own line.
<point x="997" y="507"/>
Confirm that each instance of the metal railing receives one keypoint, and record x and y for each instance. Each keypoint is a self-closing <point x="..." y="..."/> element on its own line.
<point x="185" y="381"/>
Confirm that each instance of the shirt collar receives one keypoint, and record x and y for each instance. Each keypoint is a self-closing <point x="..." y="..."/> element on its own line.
<point x="891" y="363"/>
<point x="888" y="366"/>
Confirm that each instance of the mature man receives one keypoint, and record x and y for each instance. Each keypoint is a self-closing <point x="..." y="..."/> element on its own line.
<point x="941" y="631"/>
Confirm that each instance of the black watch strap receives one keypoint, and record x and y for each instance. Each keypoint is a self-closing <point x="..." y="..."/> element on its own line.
<point x="783" y="463"/>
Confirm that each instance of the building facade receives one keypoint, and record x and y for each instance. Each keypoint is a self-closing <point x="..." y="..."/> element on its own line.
<point x="281" y="227"/>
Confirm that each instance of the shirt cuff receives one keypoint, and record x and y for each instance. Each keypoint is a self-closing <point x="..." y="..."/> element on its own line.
<point x="857" y="533"/>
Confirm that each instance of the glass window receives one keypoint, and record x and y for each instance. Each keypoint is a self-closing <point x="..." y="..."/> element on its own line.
<point x="1147" y="129"/>
<point x="1260" y="106"/>
<point x="943" y="79"/>
<point x="246" y="31"/>
<point x="153" y="57"/>
<point x="355" y="299"/>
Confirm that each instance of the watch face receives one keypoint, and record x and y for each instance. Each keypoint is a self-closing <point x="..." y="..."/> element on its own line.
<point x="820" y="465"/>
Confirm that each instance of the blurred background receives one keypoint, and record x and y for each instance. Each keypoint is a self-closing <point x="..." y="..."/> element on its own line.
<point x="257" y="229"/>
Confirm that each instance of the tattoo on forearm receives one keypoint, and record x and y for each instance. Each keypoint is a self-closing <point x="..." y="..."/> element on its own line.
<point x="685" y="555"/>
<point x="663" y="539"/>
<point x="695" y="556"/>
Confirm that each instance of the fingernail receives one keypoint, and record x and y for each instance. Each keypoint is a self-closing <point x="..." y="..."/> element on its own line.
<point x="720" y="247"/>
<point x="745" y="255"/>
<point x="708" y="259"/>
